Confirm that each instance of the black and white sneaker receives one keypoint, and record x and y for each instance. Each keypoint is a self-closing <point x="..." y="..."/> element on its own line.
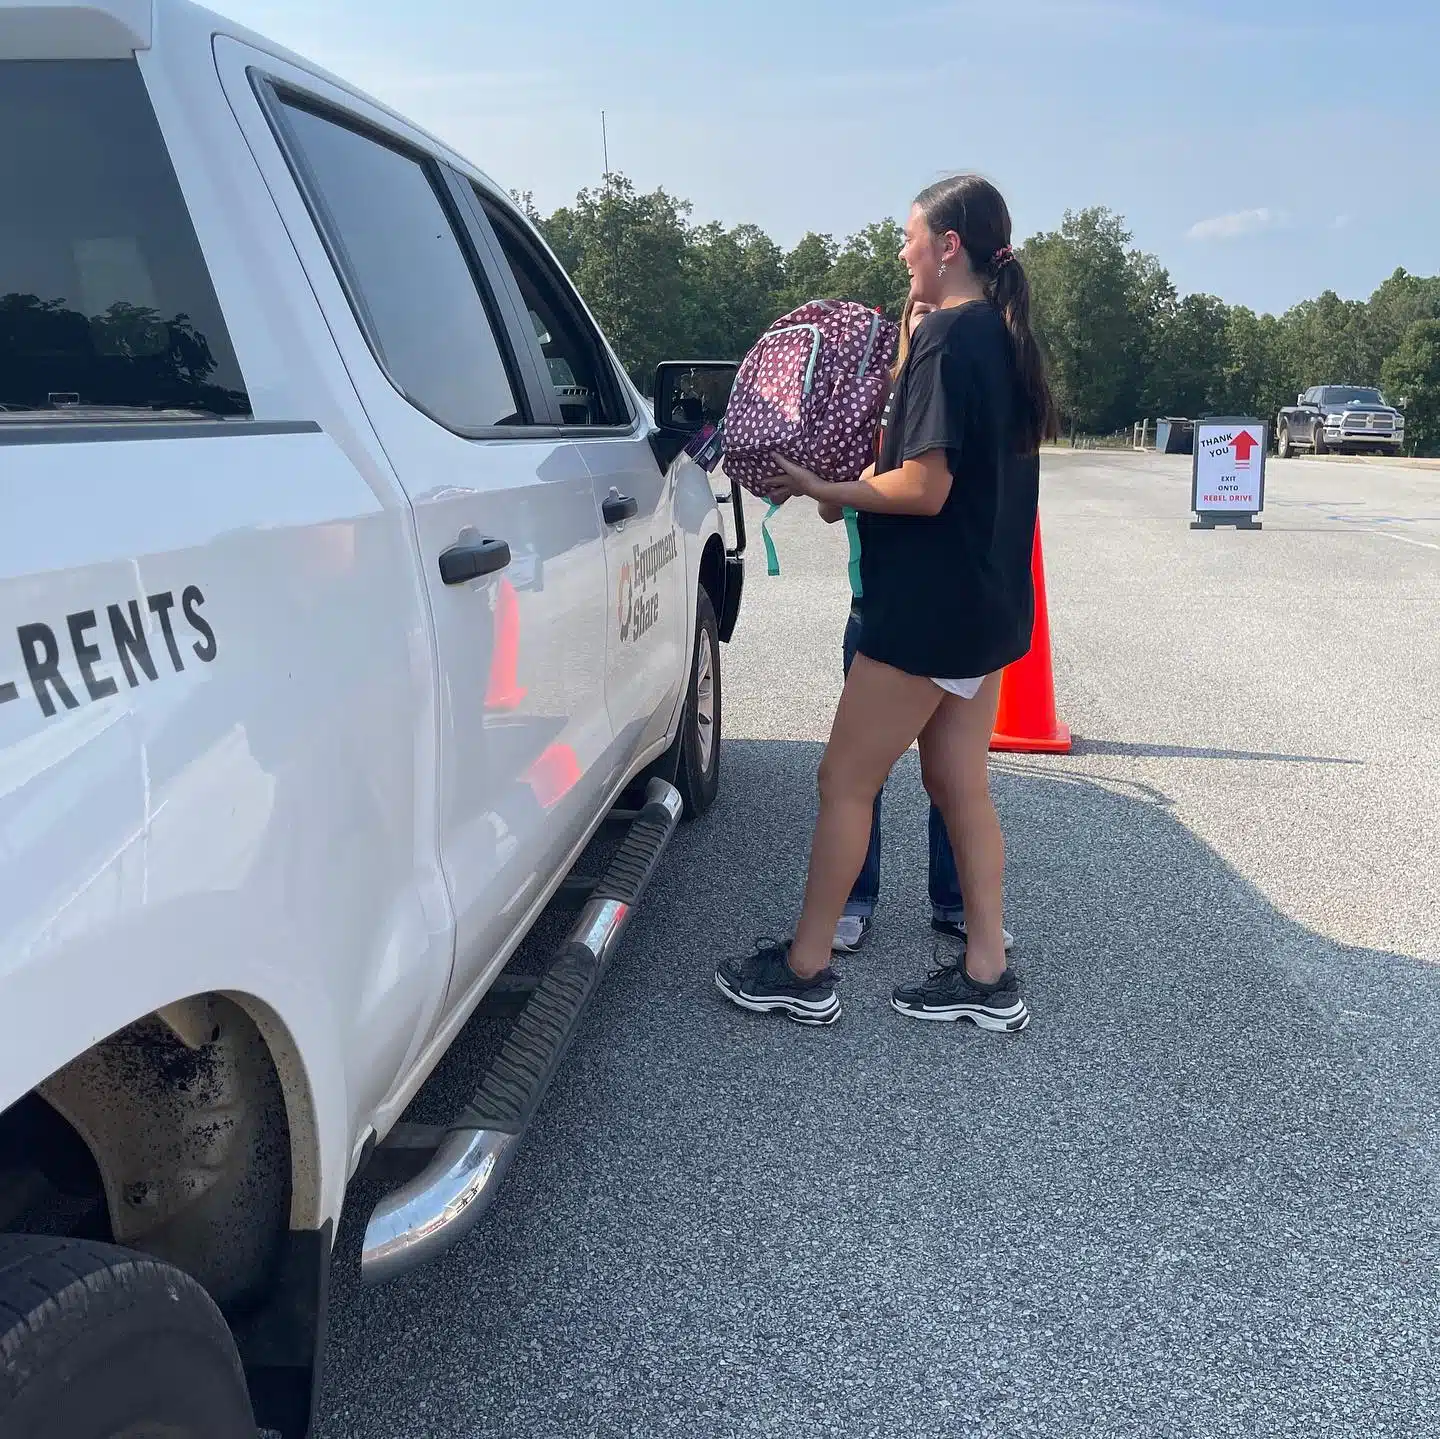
<point x="763" y="981"/>
<point x="948" y="929"/>
<point x="948" y="993"/>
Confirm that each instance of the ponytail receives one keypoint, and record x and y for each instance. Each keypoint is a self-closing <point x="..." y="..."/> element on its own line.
<point x="976" y="211"/>
<point x="1009" y="291"/>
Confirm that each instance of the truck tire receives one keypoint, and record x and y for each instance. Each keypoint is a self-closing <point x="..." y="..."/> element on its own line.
<point x="1319" y="440"/>
<point x="104" y="1343"/>
<point x="696" y="750"/>
<point x="1282" y="443"/>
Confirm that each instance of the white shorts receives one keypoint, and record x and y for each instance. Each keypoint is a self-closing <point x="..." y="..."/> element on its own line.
<point x="965" y="689"/>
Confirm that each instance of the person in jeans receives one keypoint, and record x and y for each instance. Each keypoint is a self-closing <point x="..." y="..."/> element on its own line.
<point x="946" y="520"/>
<point x="947" y="903"/>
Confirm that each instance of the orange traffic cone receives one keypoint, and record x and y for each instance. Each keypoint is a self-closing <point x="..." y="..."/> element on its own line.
<point x="505" y="691"/>
<point x="1026" y="721"/>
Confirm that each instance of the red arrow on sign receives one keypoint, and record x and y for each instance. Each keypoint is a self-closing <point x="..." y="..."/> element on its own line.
<point x="1244" y="445"/>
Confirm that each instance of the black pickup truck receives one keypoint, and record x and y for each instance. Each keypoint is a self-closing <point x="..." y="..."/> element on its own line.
<point x="1351" y="418"/>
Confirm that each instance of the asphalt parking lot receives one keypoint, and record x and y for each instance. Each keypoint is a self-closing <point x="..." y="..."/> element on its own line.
<point x="1198" y="1197"/>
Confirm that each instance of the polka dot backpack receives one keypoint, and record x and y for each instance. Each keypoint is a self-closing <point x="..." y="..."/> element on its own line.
<point x="810" y="389"/>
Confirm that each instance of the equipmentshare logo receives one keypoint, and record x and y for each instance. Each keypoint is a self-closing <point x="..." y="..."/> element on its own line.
<point x="639" y="603"/>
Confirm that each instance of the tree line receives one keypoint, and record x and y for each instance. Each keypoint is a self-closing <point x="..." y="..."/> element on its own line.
<point x="1122" y="343"/>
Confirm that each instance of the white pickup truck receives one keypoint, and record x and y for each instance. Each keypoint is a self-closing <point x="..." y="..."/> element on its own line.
<point x="347" y="586"/>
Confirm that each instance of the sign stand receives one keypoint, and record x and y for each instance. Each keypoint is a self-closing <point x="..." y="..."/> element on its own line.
<point x="1227" y="477"/>
<point x="1212" y="520"/>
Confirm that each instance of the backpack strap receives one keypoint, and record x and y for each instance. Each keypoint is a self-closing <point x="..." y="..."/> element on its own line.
<point x="852" y="534"/>
<point x="852" y="531"/>
<point x="772" y="560"/>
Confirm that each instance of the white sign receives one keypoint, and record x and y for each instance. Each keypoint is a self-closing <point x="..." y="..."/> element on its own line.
<point x="1229" y="473"/>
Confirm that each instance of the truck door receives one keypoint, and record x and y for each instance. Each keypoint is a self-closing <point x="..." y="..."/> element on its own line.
<point x="645" y="609"/>
<point x="208" y="674"/>
<point x="505" y="514"/>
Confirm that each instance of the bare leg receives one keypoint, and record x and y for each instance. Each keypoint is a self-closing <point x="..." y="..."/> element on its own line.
<point x="881" y="712"/>
<point x="954" y="759"/>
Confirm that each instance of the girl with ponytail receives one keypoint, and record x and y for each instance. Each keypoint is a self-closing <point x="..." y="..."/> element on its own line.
<point x="946" y="518"/>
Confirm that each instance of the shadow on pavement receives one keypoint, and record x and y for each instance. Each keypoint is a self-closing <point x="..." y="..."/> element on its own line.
<point x="1180" y="751"/>
<point x="1197" y="1197"/>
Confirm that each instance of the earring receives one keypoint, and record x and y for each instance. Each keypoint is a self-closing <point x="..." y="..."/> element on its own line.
<point x="943" y="267"/>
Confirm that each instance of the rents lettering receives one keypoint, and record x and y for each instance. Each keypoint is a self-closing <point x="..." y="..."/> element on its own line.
<point x="107" y="644"/>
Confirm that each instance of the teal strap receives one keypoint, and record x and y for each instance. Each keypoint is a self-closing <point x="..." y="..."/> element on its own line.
<point x="852" y="529"/>
<point x="772" y="560"/>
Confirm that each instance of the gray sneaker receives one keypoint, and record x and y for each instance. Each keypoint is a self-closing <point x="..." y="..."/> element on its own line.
<point x="850" y="933"/>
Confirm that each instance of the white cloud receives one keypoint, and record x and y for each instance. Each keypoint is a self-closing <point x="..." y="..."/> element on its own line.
<point x="1236" y="224"/>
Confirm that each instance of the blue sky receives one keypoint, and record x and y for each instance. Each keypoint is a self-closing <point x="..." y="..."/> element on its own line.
<point x="1264" y="150"/>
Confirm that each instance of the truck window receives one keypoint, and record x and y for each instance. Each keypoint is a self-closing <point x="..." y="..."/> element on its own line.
<point x="105" y="300"/>
<point x="1350" y="395"/>
<point x="575" y="357"/>
<point x="410" y="283"/>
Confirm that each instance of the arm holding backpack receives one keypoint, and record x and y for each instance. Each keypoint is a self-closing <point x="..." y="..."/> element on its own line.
<point x="919" y="487"/>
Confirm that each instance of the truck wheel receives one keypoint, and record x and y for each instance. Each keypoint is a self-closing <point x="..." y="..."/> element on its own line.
<point x="1282" y="443"/>
<point x="697" y="746"/>
<point x="104" y="1343"/>
<point x="1320" y="448"/>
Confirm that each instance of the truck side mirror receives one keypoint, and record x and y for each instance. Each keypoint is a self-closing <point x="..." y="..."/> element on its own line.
<point x="689" y="395"/>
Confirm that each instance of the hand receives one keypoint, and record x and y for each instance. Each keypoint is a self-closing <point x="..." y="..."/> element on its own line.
<point x="801" y="480"/>
<point x="779" y="489"/>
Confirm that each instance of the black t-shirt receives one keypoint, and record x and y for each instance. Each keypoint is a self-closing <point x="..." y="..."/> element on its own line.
<point x="951" y="596"/>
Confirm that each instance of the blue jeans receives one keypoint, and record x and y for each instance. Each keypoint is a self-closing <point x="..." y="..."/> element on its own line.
<point x="946" y="901"/>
